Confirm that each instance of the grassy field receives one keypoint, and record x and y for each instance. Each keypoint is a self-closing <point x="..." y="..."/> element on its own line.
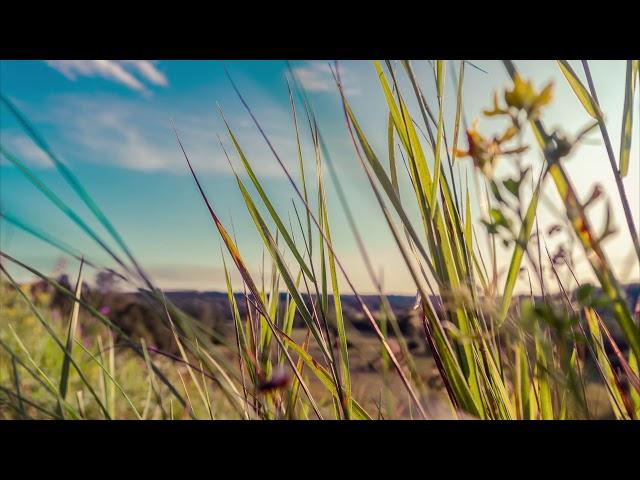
<point x="487" y="355"/>
<point x="23" y="333"/>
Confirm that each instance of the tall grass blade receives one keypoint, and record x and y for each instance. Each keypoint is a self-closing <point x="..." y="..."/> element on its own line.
<point x="440" y="132"/>
<point x="587" y="101"/>
<point x="244" y="272"/>
<point x="75" y="184"/>
<point x="519" y="251"/>
<point x="605" y="365"/>
<point x="363" y="306"/>
<point x="71" y="332"/>
<point x="627" y="117"/>
<point x="281" y="227"/>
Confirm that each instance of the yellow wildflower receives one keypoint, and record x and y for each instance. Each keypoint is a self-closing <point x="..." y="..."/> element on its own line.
<point x="524" y="97"/>
<point x="485" y="152"/>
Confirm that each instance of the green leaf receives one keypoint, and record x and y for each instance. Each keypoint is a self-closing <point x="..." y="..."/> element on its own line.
<point x="512" y="187"/>
<point x="499" y="218"/>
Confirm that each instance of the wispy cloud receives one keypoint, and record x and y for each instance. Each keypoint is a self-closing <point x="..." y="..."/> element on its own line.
<point x="137" y="135"/>
<point x="149" y="71"/>
<point x="120" y="71"/>
<point x="317" y="77"/>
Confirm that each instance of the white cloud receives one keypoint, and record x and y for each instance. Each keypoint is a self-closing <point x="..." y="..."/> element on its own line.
<point x="148" y="70"/>
<point x="314" y="79"/>
<point x="317" y="77"/>
<point x="138" y="135"/>
<point x="119" y="71"/>
<point x="128" y="134"/>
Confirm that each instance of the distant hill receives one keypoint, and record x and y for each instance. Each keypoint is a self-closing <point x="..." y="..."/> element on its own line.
<point x="399" y="303"/>
<point x="134" y="313"/>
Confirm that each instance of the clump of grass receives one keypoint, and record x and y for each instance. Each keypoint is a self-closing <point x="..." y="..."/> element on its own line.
<point x="496" y="355"/>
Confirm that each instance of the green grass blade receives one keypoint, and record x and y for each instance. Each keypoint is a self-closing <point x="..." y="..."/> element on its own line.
<point x="60" y="204"/>
<point x="301" y="165"/>
<point x="325" y="377"/>
<point x="440" y="133"/>
<point x="106" y="372"/>
<point x="542" y="381"/>
<point x="393" y="107"/>
<point x="183" y="354"/>
<point x="265" y="199"/>
<point x="627" y="117"/>
<point x="244" y="272"/>
<point x="523" y="382"/>
<point x="579" y="89"/>
<point x="388" y="188"/>
<point x="271" y="247"/>
<point x="392" y="156"/>
<point x="75" y="184"/>
<point x="635" y="396"/>
<point x="342" y="336"/>
<point x="71" y="332"/>
<point x="97" y="315"/>
<point x="35" y="374"/>
<point x="605" y="365"/>
<point x="45" y="237"/>
<point x="54" y="336"/>
<point x="518" y="252"/>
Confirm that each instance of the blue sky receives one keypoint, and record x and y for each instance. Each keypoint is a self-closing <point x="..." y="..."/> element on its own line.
<point x="111" y="123"/>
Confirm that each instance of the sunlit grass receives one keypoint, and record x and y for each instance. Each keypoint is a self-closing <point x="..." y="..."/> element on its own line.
<point x="495" y="356"/>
